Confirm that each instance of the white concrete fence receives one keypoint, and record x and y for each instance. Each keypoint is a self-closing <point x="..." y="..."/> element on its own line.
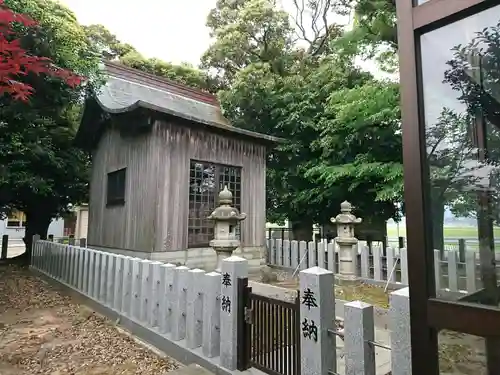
<point x="376" y="268"/>
<point x="183" y="306"/>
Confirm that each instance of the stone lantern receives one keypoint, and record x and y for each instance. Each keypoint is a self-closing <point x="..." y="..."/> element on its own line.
<point x="346" y="240"/>
<point x="225" y="218"/>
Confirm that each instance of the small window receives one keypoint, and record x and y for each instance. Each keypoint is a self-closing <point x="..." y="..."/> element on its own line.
<point x="116" y="188"/>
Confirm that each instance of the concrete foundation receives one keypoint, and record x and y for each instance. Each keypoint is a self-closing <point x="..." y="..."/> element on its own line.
<point x="203" y="257"/>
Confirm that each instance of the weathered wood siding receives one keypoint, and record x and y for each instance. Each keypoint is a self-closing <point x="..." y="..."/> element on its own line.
<point x="180" y="144"/>
<point x="155" y="214"/>
<point x="133" y="225"/>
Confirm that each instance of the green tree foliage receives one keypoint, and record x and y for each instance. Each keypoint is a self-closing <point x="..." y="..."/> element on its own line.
<point x="341" y="126"/>
<point x="41" y="172"/>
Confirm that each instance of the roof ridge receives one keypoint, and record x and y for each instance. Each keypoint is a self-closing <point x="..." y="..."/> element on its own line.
<point x="120" y="70"/>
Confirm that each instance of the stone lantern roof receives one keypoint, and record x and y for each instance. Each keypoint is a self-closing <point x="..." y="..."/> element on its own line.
<point x="226" y="212"/>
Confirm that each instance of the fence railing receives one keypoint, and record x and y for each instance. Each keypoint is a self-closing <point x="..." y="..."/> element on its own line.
<point x="455" y="272"/>
<point x="199" y="310"/>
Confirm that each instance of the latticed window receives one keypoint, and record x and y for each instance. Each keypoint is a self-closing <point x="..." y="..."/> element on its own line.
<point x="205" y="182"/>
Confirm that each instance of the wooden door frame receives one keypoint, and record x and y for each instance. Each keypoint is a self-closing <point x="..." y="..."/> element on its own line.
<point x="429" y="314"/>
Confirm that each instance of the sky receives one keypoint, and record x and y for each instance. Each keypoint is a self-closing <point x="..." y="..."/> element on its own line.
<point x="172" y="30"/>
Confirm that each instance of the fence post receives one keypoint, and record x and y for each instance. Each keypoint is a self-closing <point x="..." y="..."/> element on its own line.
<point x="110" y="279"/>
<point x="461" y="250"/>
<point x="271" y="250"/>
<point x="294" y="254"/>
<point x="286" y="254"/>
<point x="470" y="271"/>
<point x="156" y="294"/>
<point x="211" y="314"/>
<point x="126" y="307"/>
<point x="135" y="300"/>
<point x="365" y="262"/>
<point x="303" y="255"/>
<point x="321" y="255"/>
<point x="403" y="257"/>
<point x="233" y="268"/>
<point x="359" y="331"/>
<point x="399" y="318"/>
<point x="5" y="245"/>
<point x="331" y="248"/>
<point x="35" y="257"/>
<point x="452" y="270"/>
<point x="180" y="286"/>
<point x="317" y="317"/>
<point x="377" y="263"/>
<point x="437" y="269"/>
<point x="390" y="261"/>
<point x="100" y="277"/>
<point x="311" y="249"/>
<point x="146" y="290"/>
<point x="168" y="297"/>
<point x="279" y="251"/>
<point x="194" y="320"/>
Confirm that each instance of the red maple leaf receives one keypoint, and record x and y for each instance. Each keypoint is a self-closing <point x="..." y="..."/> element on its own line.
<point x="15" y="61"/>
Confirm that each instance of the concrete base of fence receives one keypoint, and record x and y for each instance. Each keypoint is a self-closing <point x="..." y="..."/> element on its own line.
<point x="204" y="258"/>
<point x="174" y="349"/>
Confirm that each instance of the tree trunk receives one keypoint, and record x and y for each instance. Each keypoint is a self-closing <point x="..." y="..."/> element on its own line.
<point x="302" y="230"/>
<point x="438" y="226"/>
<point x="36" y="224"/>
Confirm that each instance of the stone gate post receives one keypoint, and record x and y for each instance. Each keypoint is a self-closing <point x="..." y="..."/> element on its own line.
<point x="233" y="268"/>
<point x="317" y="317"/>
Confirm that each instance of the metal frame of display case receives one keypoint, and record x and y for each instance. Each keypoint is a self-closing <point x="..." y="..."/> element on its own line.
<point x="429" y="315"/>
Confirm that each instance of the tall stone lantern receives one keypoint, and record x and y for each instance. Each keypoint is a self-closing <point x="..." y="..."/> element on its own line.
<point x="225" y="218"/>
<point x="345" y="240"/>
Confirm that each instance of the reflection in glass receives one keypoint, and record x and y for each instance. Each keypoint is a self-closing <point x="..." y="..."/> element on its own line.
<point x="461" y="82"/>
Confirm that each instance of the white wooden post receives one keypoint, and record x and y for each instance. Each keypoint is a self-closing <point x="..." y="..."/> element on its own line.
<point x="211" y="314"/>
<point x="271" y="248"/>
<point x="233" y="268"/>
<point x="103" y="275"/>
<point x="194" y="320"/>
<point x="317" y="317"/>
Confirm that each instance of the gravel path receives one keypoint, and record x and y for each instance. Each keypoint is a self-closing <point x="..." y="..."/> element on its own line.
<point x="45" y="332"/>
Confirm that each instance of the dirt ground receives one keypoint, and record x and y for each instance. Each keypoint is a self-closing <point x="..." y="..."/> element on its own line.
<point x="45" y="332"/>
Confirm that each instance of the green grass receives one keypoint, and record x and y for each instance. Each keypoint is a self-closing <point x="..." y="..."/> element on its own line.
<point x="449" y="232"/>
